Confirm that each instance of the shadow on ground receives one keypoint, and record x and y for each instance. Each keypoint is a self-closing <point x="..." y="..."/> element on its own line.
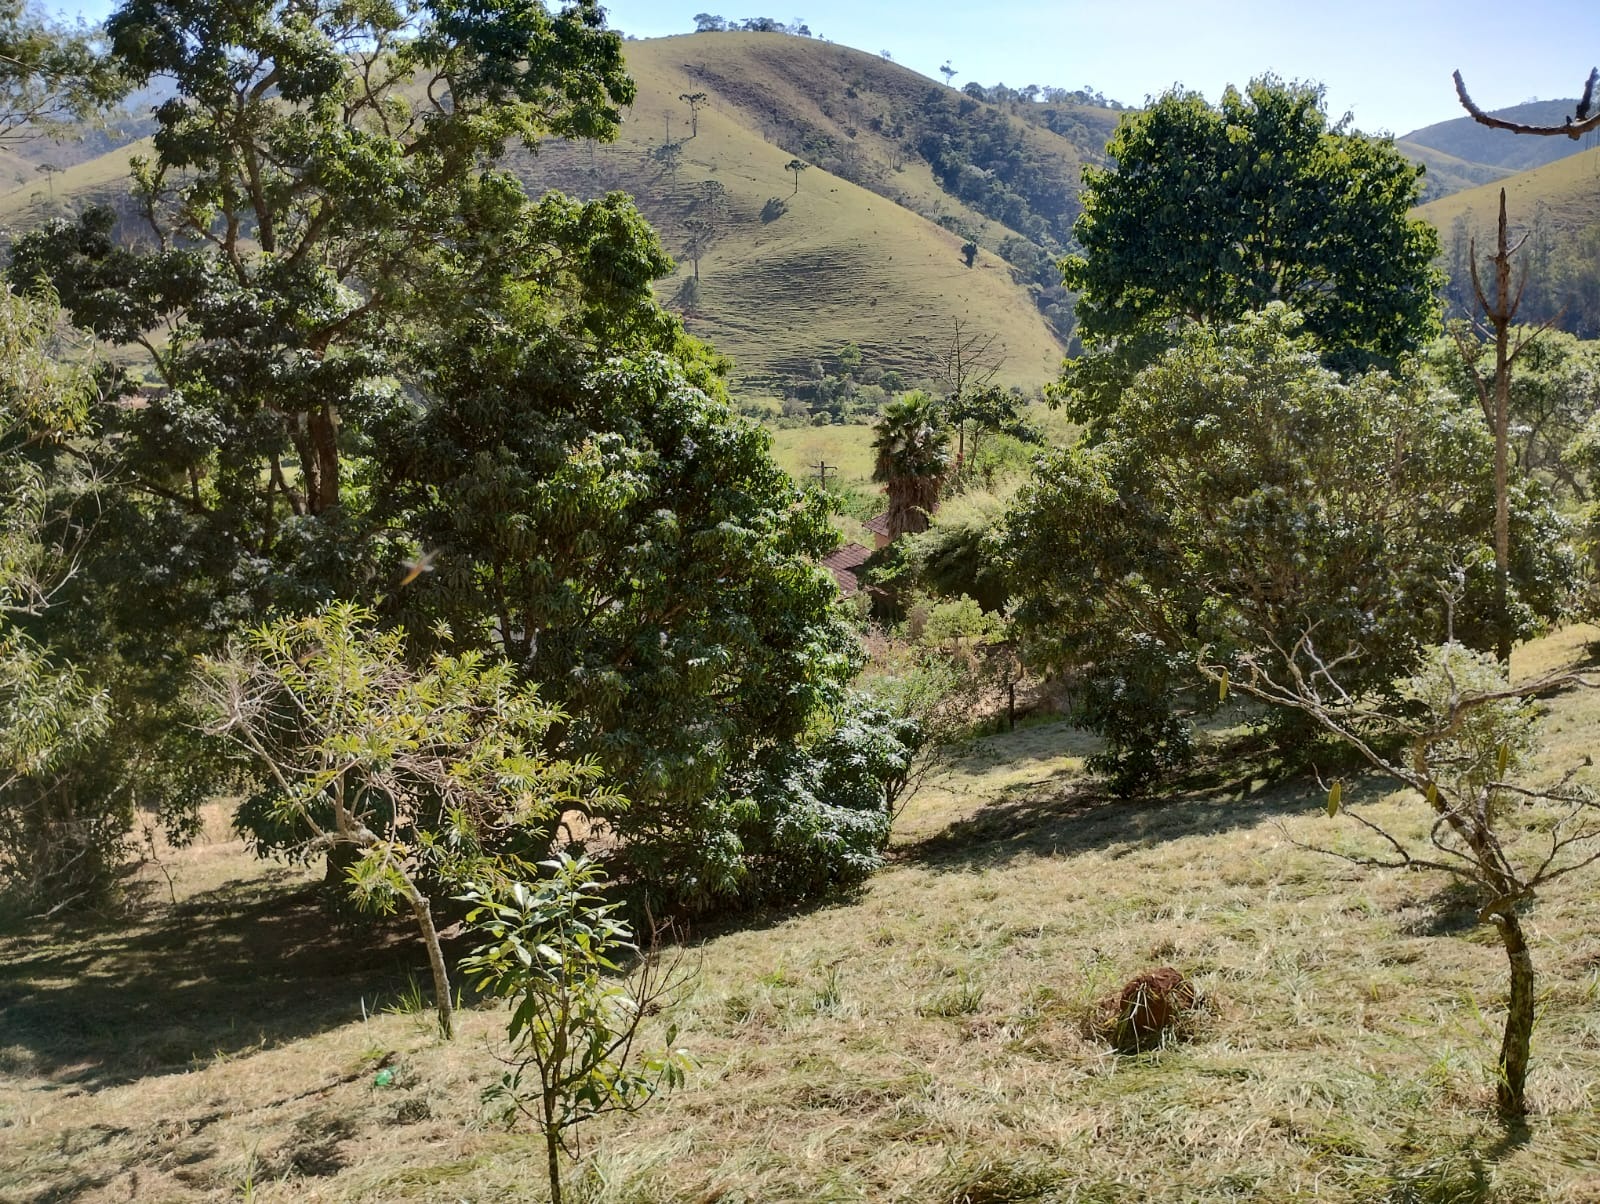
<point x="1069" y="814"/>
<point x="249" y="965"/>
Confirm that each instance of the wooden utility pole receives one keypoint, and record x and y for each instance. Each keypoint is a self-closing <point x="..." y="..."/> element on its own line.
<point x="823" y="468"/>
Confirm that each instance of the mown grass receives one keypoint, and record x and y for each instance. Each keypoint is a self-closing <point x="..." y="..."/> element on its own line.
<point x="922" y="1041"/>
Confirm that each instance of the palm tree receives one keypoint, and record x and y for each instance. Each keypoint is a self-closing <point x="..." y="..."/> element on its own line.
<point x="913" y="459"/>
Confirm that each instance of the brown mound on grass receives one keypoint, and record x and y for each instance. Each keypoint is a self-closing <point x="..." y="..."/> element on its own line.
<point x="1149" y="1007"/>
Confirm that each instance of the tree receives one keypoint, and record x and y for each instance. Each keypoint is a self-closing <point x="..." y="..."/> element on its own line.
<point x="310" y="180"/>
<point x="1465" y="732"/>
<point x="969" y="252"/>
<point x="709" y="23"/>
<point x="948" y="72"/>
<point x="56" y="848"/>
<point x="797" y="166"/>
<point x="555" y="950"/>
<point x="1495" y="397"/>
<point x="696" y="101"/>
<point x="605" y="522"/>
<point x="51" y="75"/>
<point x="1243" y="495"/>
<point x="425" y="773"/>
<point x="1209" y="213"/>
<point x="912" y="460"/>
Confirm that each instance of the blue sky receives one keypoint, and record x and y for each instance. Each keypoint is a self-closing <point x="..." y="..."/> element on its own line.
<point x="1388" y="62"/>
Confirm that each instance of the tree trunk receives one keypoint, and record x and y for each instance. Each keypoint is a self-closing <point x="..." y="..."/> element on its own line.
<point x="1514" y="1047"/>
<point x="323" y="487"/>
<point x="552" y="1147"/>
<point x="423" y="910"/>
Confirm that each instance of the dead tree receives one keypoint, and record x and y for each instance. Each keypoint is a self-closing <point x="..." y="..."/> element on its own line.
<point x="1580" y="123"/>
<point x="1495" y="396"/>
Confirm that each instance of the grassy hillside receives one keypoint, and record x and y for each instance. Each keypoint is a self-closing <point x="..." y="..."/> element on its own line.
<point x="867" y="250"/>
<point x="1567" y="188"/>
<point x="1447" y="174"/>
<point x="921" y="1042"/>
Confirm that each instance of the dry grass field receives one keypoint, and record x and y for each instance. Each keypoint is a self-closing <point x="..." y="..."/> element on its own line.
<point x="922" y="1041"/>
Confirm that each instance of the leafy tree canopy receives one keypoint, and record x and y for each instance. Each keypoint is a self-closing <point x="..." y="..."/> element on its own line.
<point x="1211" y="212"/>
<point x="1242" y="495"/>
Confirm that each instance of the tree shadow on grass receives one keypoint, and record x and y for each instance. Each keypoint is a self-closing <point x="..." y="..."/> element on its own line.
<point x="251" y="964"/>
<point x="1232" y="792"/>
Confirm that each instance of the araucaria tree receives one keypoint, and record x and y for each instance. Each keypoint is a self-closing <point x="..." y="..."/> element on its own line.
<point x="1242" y="495"/>
<point x="1208" y="213"/>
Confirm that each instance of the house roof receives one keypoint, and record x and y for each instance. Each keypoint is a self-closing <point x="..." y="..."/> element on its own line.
<point x="878" y="524"/>
<point x="843" y="563"/>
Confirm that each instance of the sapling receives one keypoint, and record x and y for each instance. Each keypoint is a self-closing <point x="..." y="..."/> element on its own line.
<point x="557" y="950"/>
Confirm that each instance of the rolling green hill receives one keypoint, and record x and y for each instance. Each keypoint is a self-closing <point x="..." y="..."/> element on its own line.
<point x="866" y="247"/>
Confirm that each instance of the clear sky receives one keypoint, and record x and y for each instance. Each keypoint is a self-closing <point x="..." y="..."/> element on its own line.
<point x="1387" y="61"/>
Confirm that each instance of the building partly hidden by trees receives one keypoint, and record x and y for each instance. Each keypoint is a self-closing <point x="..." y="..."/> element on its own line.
<point x="374" y="371"/>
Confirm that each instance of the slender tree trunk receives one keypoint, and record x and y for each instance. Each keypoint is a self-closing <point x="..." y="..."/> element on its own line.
<point x="1514" y="1047"/>
<point x="445" y="1005"/>
<point x="552" y="1146"/>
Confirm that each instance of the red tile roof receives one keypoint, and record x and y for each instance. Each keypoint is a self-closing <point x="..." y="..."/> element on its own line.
<point x="843" y="564"/>
<point x="878" y="524"/>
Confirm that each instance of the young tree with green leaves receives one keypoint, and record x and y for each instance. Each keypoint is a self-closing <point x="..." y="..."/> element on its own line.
<point x="1457" y="742"/>
<point x="425" y="773"/>
<point x="557" y="950"/>
<point x="1207" y="213"/>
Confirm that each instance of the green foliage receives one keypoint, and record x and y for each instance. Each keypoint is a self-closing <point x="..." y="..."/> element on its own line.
<point x="1463" y="751"/>
<point x="617" y="533"/>
<point x="963" y="552"/>
<point x="423" y="774"/>
<point x="58" y="846"/>
<point x="1210" y="213"/>
<point x="1555" y="392"/>
<point x="1131" y="699"/>
<point x="1243" y="497"/>
<point x="424" y="770"/>
<point x="912" y="447"/>
<point x="556" y="949"/>
<point x="817" y="817"/>
<point x="51" y="74"/>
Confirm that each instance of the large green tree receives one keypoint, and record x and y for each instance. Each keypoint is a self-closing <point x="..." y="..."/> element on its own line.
<point x="598" y="514"/>
<point x="318" y="176"/>
<point x="1209" y="212"/>
<point x="1242" y="496"/>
